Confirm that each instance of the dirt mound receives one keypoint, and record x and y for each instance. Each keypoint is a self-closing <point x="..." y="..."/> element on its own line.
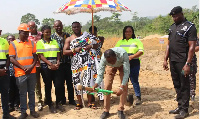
<point x="152" y="36"/>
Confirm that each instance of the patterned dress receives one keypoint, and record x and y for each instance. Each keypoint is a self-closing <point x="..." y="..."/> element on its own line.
<point x="84" y="61"/>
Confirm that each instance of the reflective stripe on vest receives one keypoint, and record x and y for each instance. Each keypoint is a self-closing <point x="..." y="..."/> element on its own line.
<point x="2" y="62"/>
<point x="132" y="45"/>
<point x="24" y="58"/>
<point x="6" y="51"/>
<point x="49" y="49"/>
<point x="26" y="66"/>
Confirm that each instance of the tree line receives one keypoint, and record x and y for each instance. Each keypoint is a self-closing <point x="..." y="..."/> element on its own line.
<point x="113" y="26"/>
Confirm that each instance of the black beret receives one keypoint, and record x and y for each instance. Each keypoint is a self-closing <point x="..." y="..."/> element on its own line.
<point x="176" y="10"/>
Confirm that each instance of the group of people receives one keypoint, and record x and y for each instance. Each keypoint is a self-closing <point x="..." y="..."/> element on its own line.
<point x="76" y="59"/>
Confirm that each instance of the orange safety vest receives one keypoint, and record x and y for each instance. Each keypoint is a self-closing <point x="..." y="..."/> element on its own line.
<point x="23" y="53"/>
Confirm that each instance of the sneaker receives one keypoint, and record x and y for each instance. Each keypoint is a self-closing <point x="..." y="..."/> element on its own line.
<point x="8" y="116"/>
<point x="138" y="101"/>
<point x="52" y="109"/>
<point x="34" y="114"/>
<point x="40" y="107"/>
<point x="72" y="102"/>
<point x="60" y="107"/>
<point x="121" y="114"/>
<point x="192" y="98"/>
<point x="104" y="115"/>
<point x="23" y="116"/>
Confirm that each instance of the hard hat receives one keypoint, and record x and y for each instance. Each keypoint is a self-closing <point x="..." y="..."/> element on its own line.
<point x="23" y="27"/>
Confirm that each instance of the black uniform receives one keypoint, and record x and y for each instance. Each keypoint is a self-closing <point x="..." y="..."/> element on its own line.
<point x="179" y="35"/>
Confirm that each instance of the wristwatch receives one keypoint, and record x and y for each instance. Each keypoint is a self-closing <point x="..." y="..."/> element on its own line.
<point x="187" y="63"/>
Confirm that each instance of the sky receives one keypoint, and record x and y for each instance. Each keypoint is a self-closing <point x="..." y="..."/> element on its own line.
<point x="11" y="11"/>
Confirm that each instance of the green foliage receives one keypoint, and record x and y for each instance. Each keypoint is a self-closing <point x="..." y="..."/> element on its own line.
<point x="48" y="21"/>
<point x="29" y="17"/>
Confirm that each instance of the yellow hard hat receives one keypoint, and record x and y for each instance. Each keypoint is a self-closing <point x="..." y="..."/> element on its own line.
<point x="23" y="27"/>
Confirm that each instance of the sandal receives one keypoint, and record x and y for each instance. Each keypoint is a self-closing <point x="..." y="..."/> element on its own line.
<point x="92" y="106"/>
<point x="78" y="107"/>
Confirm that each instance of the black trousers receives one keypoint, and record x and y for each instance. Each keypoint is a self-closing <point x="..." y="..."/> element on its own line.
<point x="4" y="86"/>
<point x="181" y="84"/>
<point x="48" y="76"/>
<point x="64" y="74"/>
<point x="14" y="99"/>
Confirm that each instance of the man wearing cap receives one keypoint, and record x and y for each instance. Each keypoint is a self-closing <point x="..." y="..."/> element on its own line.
<point x="4" y="77"/>
<point x="35" y="36"/>
<point x="180" y="50"/>
<point x="22" y="54"/>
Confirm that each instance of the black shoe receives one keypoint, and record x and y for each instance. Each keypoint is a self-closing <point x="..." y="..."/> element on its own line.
<point x="34" y="114"/>
<point x="40" y="107"/>
<point x="8" y="116"/>
<point x="60" y="107"/>
<point x="23" y="116"/>
<point x="182" y="115"/>
<point x="52" y="109"/>
<point x="121" y="114"/>
<point x="176" y="111"/>
<point x="72" y="102"/>
<point x="138" y="100"/>
<point x="104" y="115"/>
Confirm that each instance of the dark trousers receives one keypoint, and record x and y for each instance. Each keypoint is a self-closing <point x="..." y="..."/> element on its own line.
<point x="192" y="76"/>
<point x="134" y="73"/>
<point x="38" y="85"/>
<point x="14" y="99"/>
<point x="64" y="74"/>
<point x="4" y="86"/>
<point x="181" y="84"/>
<point x="48" y="76"/>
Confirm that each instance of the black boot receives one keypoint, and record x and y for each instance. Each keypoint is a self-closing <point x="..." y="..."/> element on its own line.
<point x="176" y="111"/>
<point x="182" y="114"/>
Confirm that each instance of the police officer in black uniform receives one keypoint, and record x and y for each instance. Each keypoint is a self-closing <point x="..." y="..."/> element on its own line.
<point x="180" y="50"/>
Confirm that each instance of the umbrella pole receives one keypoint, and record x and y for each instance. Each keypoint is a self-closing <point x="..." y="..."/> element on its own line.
<point x="92" y="23"/>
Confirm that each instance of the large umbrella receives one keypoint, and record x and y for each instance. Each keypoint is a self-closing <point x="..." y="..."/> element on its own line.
<point x="91" y="6"/>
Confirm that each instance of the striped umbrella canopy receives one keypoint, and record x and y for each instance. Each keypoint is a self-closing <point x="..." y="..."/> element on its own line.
<point x="91" y="6"/>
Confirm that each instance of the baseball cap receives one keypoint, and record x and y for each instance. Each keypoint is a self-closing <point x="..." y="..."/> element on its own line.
<point x="176" y="10"/>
